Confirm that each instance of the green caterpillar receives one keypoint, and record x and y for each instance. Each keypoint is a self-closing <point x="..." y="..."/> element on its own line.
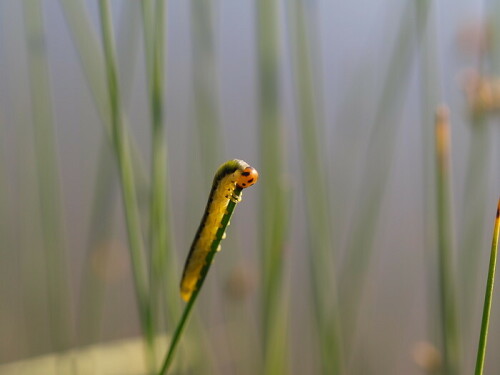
<point x="230" y="178"/>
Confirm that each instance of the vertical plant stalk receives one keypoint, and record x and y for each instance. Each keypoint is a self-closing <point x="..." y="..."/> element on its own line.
<point x="274" y="197"/>
<point x="48" y="177"/>
<point x="148" y="30"/>
<point x="448" y="307"/>
<point x="376" y="171"/>
<point x="92" y="62"/>
<point x="431" y="94"/>
<point x="208" y="262"/>
<point x="324" y="283"/>
<point x="91" y="58"/>
<point x="205" y="86"/>
<point x="476" y="187"/>
<point x="488" y="297"/>
<point x="92" y="290"/>
<point x="127" y="47"/>
<point x="32" y="259"/>
<point x="122" y="152"/>
<point x="163" y="276"/>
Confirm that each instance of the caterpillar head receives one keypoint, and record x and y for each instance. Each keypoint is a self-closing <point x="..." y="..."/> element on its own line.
<point x="248" y="177"/>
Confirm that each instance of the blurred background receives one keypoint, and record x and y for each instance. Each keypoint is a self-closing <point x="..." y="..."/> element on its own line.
<point x="331" y="265"/>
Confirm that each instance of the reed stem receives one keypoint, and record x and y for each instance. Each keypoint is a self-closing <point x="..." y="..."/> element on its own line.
<point x="448" y="311"/>
<point x="92" y="62"/>
<point x="376" y="171"/>
<point x="129" y="196"/>
<point x="274" y="197"/>
<point x="48" y="177"/>
<point x="209" y="135"/>
<point x="488" y="297"/>
<point x="476" y="187"/>
<point x="162" y="262"/>
<point x="324" y="282"/>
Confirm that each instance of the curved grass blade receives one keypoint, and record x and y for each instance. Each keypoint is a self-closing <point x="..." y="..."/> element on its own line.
<point x="483" y="337"/>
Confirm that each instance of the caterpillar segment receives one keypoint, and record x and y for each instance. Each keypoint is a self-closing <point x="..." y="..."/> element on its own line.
<point x="230" y="176"/>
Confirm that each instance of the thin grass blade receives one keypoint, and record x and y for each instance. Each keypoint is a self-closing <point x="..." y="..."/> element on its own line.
<point x="127" y="181"/>
<point x="274" y="196"/>
<point x="488" y="297"/>
<point x="48" y="177"/>
<point x="447" y="284"/>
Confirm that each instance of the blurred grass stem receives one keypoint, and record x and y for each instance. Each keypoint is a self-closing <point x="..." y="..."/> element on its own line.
<point x="274" y="197"/>
<point x="376" y="171"/>
<point x="448" y="307"/>
<point x="92" y="62"/>
<point x="122" y="152"/>
<point x="48" y="177"/>
<point x="473" y="218"/>
<point x="162" y="276"/>
<point x="431" y="94"/>
<point x="324" y="285"/>
<point x="92" y="290"/>
<point x="210" y="141"/>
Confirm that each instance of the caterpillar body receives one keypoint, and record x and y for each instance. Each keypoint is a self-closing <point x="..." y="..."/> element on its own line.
<point x="229" y="180"/>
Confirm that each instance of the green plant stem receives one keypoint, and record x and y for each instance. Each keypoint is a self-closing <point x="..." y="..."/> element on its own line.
<point x="324" y="283"/>
<point x="274" y="196"/>
<point x="122" y="152"/>
<point x="92" y="292"/>
<point x="32" y="280"/>
<point x="148" y="29"/>
<point x="209" y="137"/>
<point x="127" y="46"/>
<point x="91" y="58"/>
<point x="203" y="274"/>
<point x="376" y="171"/>
<point x="48" y="177"/>
<point x="93" y="65"/>
<point x="448" y="311"/>
<point x="430" y="97"/>
<point x="163" y="276"/>
<point x="476" y="187"/>
<point x="483" y="337"/>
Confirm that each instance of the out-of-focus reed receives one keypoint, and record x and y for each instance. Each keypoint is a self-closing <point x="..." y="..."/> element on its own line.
<point x="314" y="164"/>
<point x="127" y="182"/>
<point x="275" y="202"/>
<point x="447" y="281"/>
<point x="51" y="219"/>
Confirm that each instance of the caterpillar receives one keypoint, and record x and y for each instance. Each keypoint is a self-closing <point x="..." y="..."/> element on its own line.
<point x="229" y="180"/>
